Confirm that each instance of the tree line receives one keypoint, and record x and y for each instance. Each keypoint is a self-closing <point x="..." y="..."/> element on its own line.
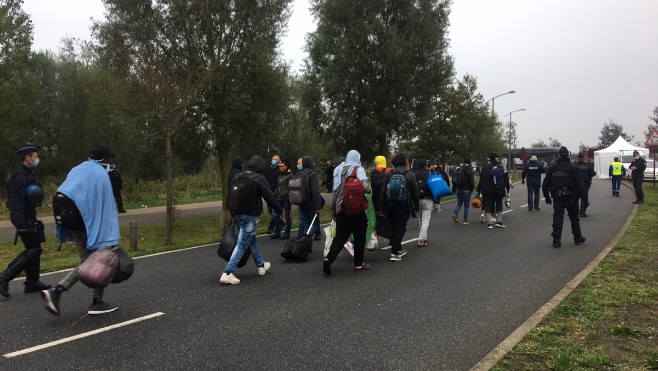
<point x="175" y="85"/>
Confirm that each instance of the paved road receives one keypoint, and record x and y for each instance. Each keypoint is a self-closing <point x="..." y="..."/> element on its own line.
<point x="149" y="215"/>
<point x="444" y="307"/>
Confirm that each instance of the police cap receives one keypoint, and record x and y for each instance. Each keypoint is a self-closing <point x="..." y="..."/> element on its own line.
<point x="100" y="152"/>
<point x="27" y="148"/>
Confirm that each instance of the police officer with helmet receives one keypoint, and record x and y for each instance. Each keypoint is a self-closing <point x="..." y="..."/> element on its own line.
<point x="24" y="194"/>
<point x="562" y="186"/>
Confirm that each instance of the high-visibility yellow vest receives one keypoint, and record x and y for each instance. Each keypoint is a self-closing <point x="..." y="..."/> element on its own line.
<point x="616" y="168"/>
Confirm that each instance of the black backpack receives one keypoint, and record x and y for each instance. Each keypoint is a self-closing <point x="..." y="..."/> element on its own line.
<point x="459" y="177"/>
<point x="67" y="215"/>
<point x="497" y="177"/>
<point x="298" y="188"/>
<point x="421" y="180"/>
<point x="242" y="193"/>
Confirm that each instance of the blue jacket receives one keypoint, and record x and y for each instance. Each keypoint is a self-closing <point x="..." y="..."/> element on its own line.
<point x="533" y="171"/>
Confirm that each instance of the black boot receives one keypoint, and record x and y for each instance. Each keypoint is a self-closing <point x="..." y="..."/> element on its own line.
<point x="580" y="240"/>
<point x="556" y="243"/>
<point x="32" y="287"/>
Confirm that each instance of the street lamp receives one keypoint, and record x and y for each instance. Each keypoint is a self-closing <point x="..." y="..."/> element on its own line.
<point x="493" y="100"/>
<point x="509" y="142"/>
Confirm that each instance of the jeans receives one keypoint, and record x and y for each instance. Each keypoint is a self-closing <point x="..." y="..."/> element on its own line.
<point x="616" y="184"/>
<point x="533" y="195"/>
<point x="80" y="238"/>
<point x="285" y="204"/>
<point x="270" y="211"/>
<point x="246" y="240"/>
<point x="426" y="206"/>
<point x="347" y="225"/>
<point x="306" y="213"/>
<point x="639" y="193"/>
<point x="571" y="205"/>
<point x="463" y="198"/>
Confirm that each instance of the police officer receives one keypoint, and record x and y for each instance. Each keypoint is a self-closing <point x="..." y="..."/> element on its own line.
<point x="616" y="172"/>
<point x="117" y="184"/>
<point x="564" y="184"/>
<point x="587" y="173"/>
<point x="637" y="167"/>
<point x="533" y="171"/>
<point x="24" y="194"/>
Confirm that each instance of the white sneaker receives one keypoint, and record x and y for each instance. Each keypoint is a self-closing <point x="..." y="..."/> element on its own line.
<point x="229" y="279"/>
<point x="262" y="270"/>
<point x="482" y="218"/>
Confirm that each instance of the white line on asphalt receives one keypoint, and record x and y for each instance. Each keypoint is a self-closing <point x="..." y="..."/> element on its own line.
<point x="80" y="336"/>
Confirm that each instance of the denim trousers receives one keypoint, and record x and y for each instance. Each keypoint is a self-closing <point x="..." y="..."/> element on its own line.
<point x="306" y="213"/>
<point x="463" y="198"/>
<point x="246" y="240"/>
<point x="285" y="204"/>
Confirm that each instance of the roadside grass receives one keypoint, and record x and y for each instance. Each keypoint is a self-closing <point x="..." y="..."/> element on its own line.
<point x="610" y="322"/>
<point x="187" y="233"/>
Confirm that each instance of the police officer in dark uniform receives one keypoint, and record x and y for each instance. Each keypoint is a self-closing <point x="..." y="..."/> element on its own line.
<point x="24" y="195"/>
<point x="637" y="167"/>
<point x="587" y="173"/>
<point x="533" y="171"/>
<point x="563" y="184"/>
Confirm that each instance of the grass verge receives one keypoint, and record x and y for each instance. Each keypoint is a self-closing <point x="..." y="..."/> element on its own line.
<point x="610" y="322"/>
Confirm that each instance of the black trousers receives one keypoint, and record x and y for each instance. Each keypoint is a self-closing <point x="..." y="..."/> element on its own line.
<point x="347" y="225"/>
<point x="639" y="193"/>
<point x="398" y="215"/>
<point x="571" y="205"/>
<point x="584" y="200"/>
<point x="29" y="260"/>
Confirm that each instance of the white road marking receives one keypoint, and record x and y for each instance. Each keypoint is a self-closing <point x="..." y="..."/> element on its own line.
<point x="80" y="336"/>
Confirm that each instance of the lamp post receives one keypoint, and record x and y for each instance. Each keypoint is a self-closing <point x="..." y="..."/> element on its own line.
<point x="493" y="100"/>
<point x="511" y="166"/>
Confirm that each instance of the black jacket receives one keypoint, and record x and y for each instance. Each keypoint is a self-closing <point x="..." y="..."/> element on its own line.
<point x="470" y="180"/>
<point x="256" y="166"/>
<point x="20" y="211"/>
<point x="411" y="183"/>
<point x="116" y="180"/>
<point x="313" y="181"/>
<point x="486" y="186"/>
<point x="640" y="165"/>
<point x="577" y="185"/>
<point x="586" y="172"/>
<point x="236" y="168"/>
<point x="533" y="171"/>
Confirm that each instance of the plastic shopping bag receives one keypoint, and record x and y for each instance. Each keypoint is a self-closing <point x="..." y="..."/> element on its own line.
<point x="330" y="232"/>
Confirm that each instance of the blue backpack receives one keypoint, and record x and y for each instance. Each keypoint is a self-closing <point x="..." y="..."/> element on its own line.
<point x="497" y="177"/>
<point x="396" y="190"/>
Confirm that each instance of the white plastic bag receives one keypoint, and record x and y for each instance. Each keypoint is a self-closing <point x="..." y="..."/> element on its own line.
<point x="330" y="232"/>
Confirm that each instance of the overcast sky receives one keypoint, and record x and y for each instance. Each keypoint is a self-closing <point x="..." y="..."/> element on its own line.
<point x="573" y="64"/>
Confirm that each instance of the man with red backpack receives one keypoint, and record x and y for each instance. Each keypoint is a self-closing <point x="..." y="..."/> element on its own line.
<point x="348" y="206"/>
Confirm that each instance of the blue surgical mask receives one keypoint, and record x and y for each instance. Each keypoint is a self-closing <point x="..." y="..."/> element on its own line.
<point x="35" y="164"/>
<point x="300" y="167"/>
<point x="274" y="163"/>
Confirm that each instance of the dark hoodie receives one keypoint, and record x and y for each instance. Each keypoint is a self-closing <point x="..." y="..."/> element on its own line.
<point x="313" y="181"/>
<point x="400" y="167"/>
<point x="486" y="186"/>
<point x="256" y="165"/>
<point x="236" y="168"/>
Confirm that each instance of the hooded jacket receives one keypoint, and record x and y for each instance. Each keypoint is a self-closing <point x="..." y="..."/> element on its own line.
<point x="486" y="186"/>
<point x="400" y="163"/>
<point x="236" y="168"/>
<point x="308" y="169"/>
<point x="342" y="171"/>
<point x="377" y="177"/>
<point x="256" y="166"/>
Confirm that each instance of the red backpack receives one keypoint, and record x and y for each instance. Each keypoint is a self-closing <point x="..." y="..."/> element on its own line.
<point x="354" y="196"/>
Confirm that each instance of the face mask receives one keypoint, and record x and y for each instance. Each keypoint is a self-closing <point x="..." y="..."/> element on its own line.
<point x="106" y="166"/>
<point x="637" y="156"/>
<point x="35" y="164"/>
<point x="300" y="167"/>
<point x="274" y="163"/>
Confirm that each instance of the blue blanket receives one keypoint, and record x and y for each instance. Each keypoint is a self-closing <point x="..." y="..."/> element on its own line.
<point x="89" y="186"/>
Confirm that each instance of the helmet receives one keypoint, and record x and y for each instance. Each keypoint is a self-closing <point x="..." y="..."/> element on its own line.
<point x="476" y="203"/>
<point x="34" y="195"/>
<point x="508" y="202"/>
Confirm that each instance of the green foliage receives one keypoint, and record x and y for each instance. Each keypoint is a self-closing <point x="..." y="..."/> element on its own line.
<point x="374" y="70"/>
<point x="610" y="132"/>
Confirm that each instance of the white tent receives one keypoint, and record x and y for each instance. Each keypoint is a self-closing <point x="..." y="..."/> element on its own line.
<point x="604" y="157"/>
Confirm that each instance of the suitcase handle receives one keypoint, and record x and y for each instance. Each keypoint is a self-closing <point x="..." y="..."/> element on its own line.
<point x="311" y="226"/>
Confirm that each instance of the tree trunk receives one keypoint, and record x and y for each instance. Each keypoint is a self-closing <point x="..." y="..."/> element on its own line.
<point x="224" y="167"/>
<point x="169" y="221"/>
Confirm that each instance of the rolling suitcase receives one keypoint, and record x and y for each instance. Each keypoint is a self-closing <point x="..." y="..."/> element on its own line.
<point x="298" y="248"/>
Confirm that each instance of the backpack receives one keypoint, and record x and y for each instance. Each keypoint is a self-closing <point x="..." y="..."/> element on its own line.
<point x="396" y="190"/>
<point x="378" y="179"/>
<point x="66" y="213"/>
<point x="281" y="191"/>
<point x="298" y="189"/>
<point x="459" y="177"/>
<point x="421" y="180"/>
<point x="354" y="195"/>
<point x="561" y="176"/>
<point x="497" y="177"/>
<point x="242" y="193"/>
